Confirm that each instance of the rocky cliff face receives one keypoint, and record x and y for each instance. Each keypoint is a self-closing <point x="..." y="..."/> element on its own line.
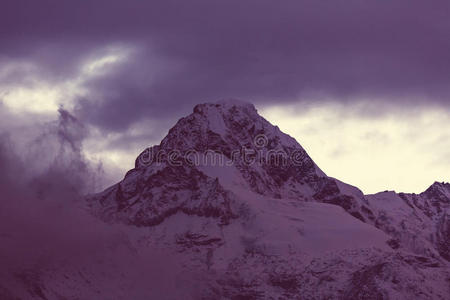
<point x="418" y="222"/>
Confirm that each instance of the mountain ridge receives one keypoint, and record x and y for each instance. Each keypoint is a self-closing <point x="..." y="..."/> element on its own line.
<point x="229" y="207"/>
<point x="224" y="132"/>
<point x="260" y="202"/>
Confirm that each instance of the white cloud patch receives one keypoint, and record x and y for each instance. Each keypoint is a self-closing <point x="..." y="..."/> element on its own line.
<point x="27" y="106"/>
<point x="42" y="97"/>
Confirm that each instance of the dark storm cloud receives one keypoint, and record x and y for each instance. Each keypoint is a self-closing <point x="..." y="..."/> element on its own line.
<point x="263" y="51"/>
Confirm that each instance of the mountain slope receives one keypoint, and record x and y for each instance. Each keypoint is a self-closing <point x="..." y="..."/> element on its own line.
<point x="227" y="134"/>
<point x="420" y="223"/>
<point x="229" y="207"/>
<point x="262" y="195"/>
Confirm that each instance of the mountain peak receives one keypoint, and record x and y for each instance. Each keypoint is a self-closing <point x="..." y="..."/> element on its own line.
<point x="233" y="121"/>
<point x="234" y="102"/>
<point x="267" y="160"/>
<point x="228" y="103"/>
<point x="440" y="186"/>
<point x="439" y="191"/>
<point x="214" y="110"/>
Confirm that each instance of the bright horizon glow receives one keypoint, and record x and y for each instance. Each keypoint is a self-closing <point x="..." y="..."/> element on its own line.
<point x="401" y="151"/>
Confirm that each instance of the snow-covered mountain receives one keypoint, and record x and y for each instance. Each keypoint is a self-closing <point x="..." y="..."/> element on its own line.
<point x="419" y="223"/>
<point x="246" y="214"/>
<point x="221" y="148"/>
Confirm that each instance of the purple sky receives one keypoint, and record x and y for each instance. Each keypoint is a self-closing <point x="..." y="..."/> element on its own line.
<point x="173" y="54"/>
